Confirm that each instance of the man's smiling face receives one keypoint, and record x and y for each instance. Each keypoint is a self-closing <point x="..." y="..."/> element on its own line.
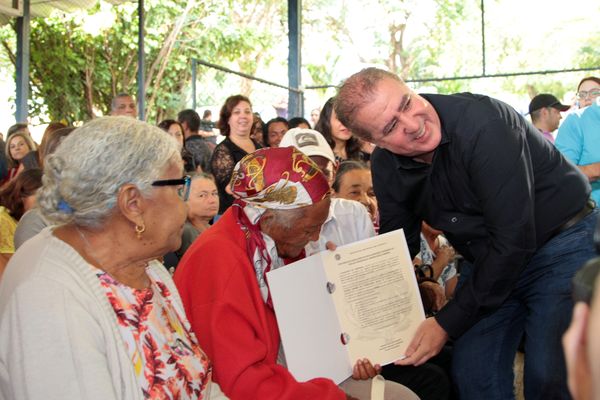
<point x="401" y="121"/>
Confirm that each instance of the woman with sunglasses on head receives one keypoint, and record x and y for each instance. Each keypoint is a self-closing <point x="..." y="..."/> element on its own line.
<point x="86" y="310"/>
<point x="577" y="137"/>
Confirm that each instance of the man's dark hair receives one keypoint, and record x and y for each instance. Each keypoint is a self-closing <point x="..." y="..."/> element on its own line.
<point x="200" y="152"/>
<point x="266" y="128"/>
<point x="535" y="115"/>
<point x="296" y="121"/>
<point x="113" y="103"/>
<point x="191" y="119"/>
<point x="15" y="128"/>
<point x="354" y="93"/>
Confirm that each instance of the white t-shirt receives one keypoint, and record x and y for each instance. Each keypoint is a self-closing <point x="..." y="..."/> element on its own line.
<point x="348" y="222"/>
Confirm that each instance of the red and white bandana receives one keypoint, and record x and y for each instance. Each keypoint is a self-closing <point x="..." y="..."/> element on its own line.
<point x="278" y="178"/>
<point x="273" y="178"/>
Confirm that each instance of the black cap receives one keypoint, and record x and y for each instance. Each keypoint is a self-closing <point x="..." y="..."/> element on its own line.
<point x="546" y="100"/>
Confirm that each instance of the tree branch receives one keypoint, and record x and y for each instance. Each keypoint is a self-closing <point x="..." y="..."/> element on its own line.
<point x="10" y="53"/>
<point x="162" y="59"/>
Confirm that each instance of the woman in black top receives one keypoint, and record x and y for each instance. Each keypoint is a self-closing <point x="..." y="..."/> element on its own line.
<point x="235" y="122"/>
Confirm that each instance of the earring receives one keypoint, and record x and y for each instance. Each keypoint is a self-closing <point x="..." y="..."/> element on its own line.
<point x="139" y="229"/>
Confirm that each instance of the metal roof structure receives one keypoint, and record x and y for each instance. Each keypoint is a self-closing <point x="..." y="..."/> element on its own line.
<point x="41" y="8"/>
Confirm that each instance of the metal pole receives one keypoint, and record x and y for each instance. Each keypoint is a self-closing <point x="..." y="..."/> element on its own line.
<point x="295" y="99"/>
<point x="141" y="92"/>
<point x="469" y="77"/>
<point x="23" y="28"/>
<point x="194" y="77"/>
<point x="483" y="37"/>
<point x="248" y="76"/>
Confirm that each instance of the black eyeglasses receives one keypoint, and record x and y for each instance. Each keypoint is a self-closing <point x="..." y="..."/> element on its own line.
<point x="183" y="191"/>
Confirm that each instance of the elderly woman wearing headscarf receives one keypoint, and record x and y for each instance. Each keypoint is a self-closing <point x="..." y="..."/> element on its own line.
<point x="86" y="310"/>
<point x="282" y="201"/>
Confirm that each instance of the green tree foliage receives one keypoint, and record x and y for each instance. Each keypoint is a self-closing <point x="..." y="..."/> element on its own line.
<point x="75" y="71"/>
<point x="588" y="55"/>
<point x="409" y="39"/>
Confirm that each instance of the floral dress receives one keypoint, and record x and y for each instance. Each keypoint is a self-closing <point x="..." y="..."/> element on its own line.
<point x="427" y="255"/>
<point x="167" y="359"/>
<point x="8" y="226"/>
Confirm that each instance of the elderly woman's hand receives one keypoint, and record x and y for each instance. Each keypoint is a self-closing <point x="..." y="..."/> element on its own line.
<point x="330" y="246"/>
<point x="363" y="369"/>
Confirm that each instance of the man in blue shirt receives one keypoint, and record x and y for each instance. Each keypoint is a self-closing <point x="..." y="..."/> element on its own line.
<point x="578" y="139"/>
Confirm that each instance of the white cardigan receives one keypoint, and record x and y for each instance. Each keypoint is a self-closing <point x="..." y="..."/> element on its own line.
<point x="59" y="337"/>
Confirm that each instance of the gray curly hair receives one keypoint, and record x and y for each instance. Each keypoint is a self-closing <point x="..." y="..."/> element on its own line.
<point x="82" y="178"/>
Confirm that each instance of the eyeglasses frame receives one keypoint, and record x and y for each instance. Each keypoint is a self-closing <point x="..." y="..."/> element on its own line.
<point x="185" y="181"/>
<point x="585" y="94"/>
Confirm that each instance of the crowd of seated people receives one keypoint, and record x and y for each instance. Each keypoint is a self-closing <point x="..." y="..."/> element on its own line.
<point x="191" y="209"/>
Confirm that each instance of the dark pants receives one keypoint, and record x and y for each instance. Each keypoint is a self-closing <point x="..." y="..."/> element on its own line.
<point x="429" y="381"/>
<point x="540" y="307"/>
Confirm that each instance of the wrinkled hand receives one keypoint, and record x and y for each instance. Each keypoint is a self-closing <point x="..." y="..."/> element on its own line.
<point x="363" y="369"/>
<point x="578" y="368"/>
<point x="428" y="340"/>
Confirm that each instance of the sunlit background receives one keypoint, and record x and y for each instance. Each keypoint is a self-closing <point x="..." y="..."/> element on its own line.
<point x="422" y="39"/>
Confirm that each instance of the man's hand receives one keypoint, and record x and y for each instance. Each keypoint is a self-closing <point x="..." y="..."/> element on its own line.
<point x="363" y="369"/>
<point x="428" y="340"/>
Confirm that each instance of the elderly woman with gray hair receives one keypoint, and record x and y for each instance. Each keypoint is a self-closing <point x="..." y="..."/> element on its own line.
<point x="86" y="310"/>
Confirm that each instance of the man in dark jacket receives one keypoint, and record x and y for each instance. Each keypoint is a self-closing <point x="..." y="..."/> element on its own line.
<point x="506" y="199"/>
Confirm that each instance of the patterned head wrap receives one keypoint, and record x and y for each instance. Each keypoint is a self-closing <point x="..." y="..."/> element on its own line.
<point x="278" y="178"/>
<point x="274" y="178"/>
